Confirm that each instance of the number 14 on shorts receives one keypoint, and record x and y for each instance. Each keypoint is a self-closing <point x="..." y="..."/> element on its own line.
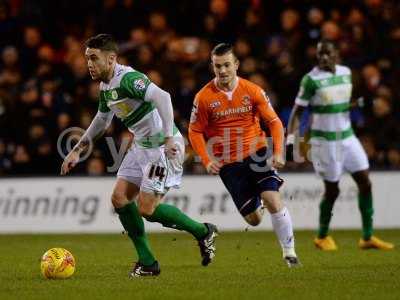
<point x="156" y="171"/>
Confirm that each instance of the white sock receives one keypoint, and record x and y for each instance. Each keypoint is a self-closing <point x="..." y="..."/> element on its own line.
<point x="282" y="224"/>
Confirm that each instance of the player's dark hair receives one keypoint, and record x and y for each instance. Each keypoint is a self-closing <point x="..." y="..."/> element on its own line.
<point x="103" y="41"/>
<point x="222" y="48"/>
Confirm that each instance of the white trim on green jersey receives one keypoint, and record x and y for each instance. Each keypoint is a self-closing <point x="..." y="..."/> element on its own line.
<point x="328" y="96"/>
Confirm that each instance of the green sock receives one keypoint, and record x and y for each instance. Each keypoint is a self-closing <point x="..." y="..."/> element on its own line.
<point x="172" y="217"/>
<point x="367" y="211"/>
<point x="133" y="224"/>
<point x="325" y="214"/>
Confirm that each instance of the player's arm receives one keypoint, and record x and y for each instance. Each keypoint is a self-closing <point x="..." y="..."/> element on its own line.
<point x="163" y="103"/>
<point x="138" y="86"/>
<point x="303" y="98"/>
<point x="96" y="129"/>
<point x="294" y="120"/>
<point x="275" y="126"/>
<point x="198" y="123"/>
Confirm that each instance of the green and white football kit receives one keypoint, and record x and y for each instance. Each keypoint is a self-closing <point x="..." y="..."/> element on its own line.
<point x="132" y="97"/>
<point x="334" y="147"/>
<point x="146" y="110"/>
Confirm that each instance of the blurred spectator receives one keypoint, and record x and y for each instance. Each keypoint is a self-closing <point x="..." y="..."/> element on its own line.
<point x="393" y="156"/>
<point x="155" y="77"/>
<point x="145" y="58"/>
<point x="254" y="29"/>
<point x="21" y="161"/>
<point x="159" y="32"/>
<point x="387" y="138"/>
<point x="330" y="31"/>
<point x="10" y="75"/>
<point x="315" y="17"/>
<point x="8" y="24"/>
<point x="290" y="24"/>
<point x="29" y="50"/>
<point x="217" y="23"/>
<point x="95" y="167"/>
<point x="5" y="161"/>
<point x="242" y="48"/>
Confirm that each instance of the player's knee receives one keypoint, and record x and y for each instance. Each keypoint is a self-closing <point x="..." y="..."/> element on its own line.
<point x="253" y="219"/>
<point x="254" y="222"/>
<point x="146" y="208"/>
<point x="365" y="187"/>
<point x="336" y="192"/>
<point x="331" y="194"/>
<point x="272" y="201"/>
<point x="119" y="199"/>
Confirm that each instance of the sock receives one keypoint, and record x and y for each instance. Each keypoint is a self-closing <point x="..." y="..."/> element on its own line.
<point x="172" y="217"/>
<point x="367" y="211"/>
<point x="282" y="224"/>
<point x="325" y="215"/>
<point x="133" y="224"/>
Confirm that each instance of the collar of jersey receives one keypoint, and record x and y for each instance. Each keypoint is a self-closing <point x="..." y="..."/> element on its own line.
<point x="116" y="67"/>
<point x="229" y="94"/>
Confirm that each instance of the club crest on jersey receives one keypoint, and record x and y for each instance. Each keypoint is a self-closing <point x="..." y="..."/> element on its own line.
<point x="139" y="84"/>
<point x="215" y="104"/>
<point x="246" y="100"/>
<point x="114" y="95"/>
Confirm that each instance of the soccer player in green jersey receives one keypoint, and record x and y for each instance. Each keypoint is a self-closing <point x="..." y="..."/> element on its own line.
<point x="326" y="89"/>
<point x="152" y="166"/>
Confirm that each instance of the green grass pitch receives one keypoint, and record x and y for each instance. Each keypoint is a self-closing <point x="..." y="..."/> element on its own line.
<point x="248" y="265"/>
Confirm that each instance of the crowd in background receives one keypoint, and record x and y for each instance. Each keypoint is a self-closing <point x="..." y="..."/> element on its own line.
<point x="45" y="87"/>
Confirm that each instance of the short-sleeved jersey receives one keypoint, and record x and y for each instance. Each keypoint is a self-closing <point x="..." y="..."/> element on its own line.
<point x="328" y="96"/>
<point x="230" y="120"/>
<point x="124" y="95"/>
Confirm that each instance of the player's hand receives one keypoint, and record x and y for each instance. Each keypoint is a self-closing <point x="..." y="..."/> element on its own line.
<point x="214" y="167"/>
<point x="277" y="161"/>
<point x="69" y="162"/>
<point x="171" y="149"/>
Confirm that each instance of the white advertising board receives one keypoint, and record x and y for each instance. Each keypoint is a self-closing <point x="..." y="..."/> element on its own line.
<point x="82" y="204"/>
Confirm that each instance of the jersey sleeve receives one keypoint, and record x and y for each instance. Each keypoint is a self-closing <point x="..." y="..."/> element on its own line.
<point x="269" y="116"/>
<point x="199" y="115"/>
<point x="103" y="104"/>
<point x="197" y="126"/>
<point x="264" y="107"/>
<point x="306" y="92"/>
<point x="135" y="84"/>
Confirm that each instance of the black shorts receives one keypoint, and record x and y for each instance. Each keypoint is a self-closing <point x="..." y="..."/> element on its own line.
<point x="246" y="180"/>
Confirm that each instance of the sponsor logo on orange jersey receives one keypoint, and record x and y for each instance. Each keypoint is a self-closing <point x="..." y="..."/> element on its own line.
<point x="232" y="112"/>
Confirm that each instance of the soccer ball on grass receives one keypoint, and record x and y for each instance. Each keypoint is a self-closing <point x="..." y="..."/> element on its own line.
<point x="57" y="263"/>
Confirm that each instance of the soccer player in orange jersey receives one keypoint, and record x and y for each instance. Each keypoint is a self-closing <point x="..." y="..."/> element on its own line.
<point x="225" y="132"/>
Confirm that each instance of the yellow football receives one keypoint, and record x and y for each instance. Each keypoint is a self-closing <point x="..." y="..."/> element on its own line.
<point x="57" y="263"/>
